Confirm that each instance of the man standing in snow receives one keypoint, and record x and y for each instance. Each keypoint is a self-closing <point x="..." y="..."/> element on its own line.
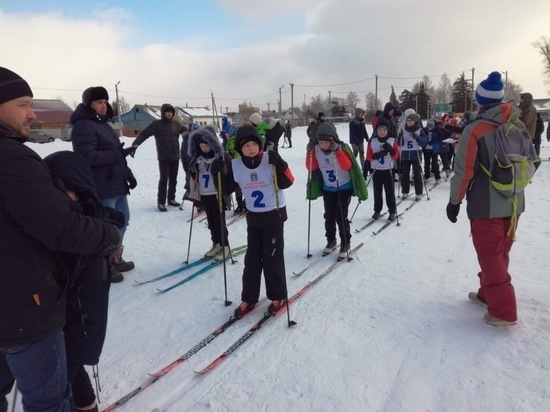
<point x="492" y="216"/>
<point x="358" y="135"/>
<point x="167" y="132"/>
<point x="36" y="223"/>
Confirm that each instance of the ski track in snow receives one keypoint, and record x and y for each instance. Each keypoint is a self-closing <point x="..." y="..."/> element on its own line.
<point x="390" y="331"/>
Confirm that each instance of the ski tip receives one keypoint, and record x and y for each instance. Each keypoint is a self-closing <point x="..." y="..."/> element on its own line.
<point x="161" y="291"/>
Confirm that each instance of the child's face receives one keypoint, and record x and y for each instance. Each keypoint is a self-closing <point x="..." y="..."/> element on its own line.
<point x="205" y="147"/>
<point x="250" y="149"/>
<point x="324" y="145"/>
<point x="382" y="132"/>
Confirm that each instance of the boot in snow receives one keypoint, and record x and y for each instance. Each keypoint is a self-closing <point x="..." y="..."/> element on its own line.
<point x="331" y="245"/>
<point x="243" y="309"/>
<point x="119" y="263"/>
<point x="220" y="255"/>
<point x="275" y="306"/>
<point x="214" y="250"/>
<point x="343" y="254"/>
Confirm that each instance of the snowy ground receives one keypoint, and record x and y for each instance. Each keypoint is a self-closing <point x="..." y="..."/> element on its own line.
<point x="391" y="331"/>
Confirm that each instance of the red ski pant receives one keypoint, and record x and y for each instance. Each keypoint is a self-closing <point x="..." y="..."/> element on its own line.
<point x="492" y="246"/>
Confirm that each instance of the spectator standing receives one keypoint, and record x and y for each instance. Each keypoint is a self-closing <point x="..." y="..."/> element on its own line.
<point x="528" y="113"/>
<point x="97" y="141"/>
<point x="33" y="280"/>
<point x="538" y="134"/>
<point x="358" y="135"/>
<point x="167" y="132"/>
<point x="288" y="133"/>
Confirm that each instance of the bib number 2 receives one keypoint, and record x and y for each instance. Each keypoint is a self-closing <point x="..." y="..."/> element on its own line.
<point x="258" y="198"/>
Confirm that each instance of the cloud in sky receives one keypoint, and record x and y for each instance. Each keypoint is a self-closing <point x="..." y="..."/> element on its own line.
<point x="245" y="50"/>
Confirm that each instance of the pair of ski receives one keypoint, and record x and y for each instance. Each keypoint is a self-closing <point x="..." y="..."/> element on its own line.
<point x="217" y="332"/>
<point x="212" y="264"/>
<point x="388" y="223"/>
<point x="196" y="215"/>
<point x="366" y="225"/>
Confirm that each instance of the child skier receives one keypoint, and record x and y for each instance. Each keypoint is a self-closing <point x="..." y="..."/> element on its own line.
<point x="411" y="140"/>
<point x="382" y="151"/>
<point x="208" y="163"/>
<point x="335" y="174"/>
<point x="261" y="176"/>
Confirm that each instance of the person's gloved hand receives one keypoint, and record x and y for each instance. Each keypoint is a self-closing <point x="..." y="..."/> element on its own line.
<point x="276" y="160"/>
<point x="129" y="151"/>
<point x="132" y="182"/>
<point x="452" y="211"/>
<point x="379" y="154"/>
<point x="113" y="216"/>
<point x="309" y="147"/>
<point x="389" y="148"/>
<point x="217" y="166"/>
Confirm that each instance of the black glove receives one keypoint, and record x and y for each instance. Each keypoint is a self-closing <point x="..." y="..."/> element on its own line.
<point x="113" y="217"/>
<point x="275" y="159"/>
<point x="452" y="212"/>
<point x="130" y="178"/>
<point x="310" y="146"/>
<point x="389" y="148"/>
<point x="129" y="151"/>
<point x="379" y="154"/>
<point x="217" y="166"/>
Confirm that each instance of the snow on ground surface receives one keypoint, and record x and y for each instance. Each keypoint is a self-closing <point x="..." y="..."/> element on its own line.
<point x="392" y="330"/>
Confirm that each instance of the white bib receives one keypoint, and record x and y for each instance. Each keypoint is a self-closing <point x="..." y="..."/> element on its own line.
<point x="205" y="178"/>
<point x="333" y="174"/>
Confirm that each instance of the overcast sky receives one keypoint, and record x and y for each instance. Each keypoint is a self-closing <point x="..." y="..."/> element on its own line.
<point x="179" y="52"/>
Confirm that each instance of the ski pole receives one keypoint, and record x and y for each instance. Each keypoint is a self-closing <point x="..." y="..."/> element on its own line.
<point x="309" y="206"/>
<point x="223" y="231"/>
<point x="420" y="167"/>
<point x="280" y="224"/>
<point x="14" y="401"/>
<point x="190" y="232"/>
<point x="355" y="210"/>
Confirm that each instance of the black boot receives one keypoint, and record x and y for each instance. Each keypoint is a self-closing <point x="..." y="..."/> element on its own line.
<point x="114" y="275"/>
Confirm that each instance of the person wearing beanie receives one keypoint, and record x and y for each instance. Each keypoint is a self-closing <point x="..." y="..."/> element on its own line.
<point x="387" y="118"/>
<point x="334" y="174"/>
<point x="99" y="144"/>
<point x="411" y="141"/>
<point x="167" y="132"/>
<point x="382" y="152"/>
<point x="358" y="135"/>
<point x="433" y="149"/>
<point x="491" y="215"/>
<point x="262" y="176"/>
<point x="38" y="226"/>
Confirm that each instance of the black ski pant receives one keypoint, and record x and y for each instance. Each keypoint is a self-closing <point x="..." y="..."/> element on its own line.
<point x="336" y="213"/>
<point x="213" y="218"/>
<point x="431" y="164"/>
<point x="168" y="170"/>
<point x="265" y="253"/>
<point x="383" y="180"/>
<point x="406" y="173"/>
<point x="82" y="391"/>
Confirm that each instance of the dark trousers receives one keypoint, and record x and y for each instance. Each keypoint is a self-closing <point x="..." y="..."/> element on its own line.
<point x="168" y="170"/>
<point x="83" y="392"/>
<point x="383" y="180"/>
<point x="265" y="252"/>
<point x="336" y="213"/>
<point x="405" y="176"/>
<point x="431" y="165"/>
<point x="213" y="217"/>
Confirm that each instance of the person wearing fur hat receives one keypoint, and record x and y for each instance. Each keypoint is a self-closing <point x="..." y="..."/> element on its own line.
<point x="382" y="152"/>
<point x="97" y="141"/>
<point x="493" y="217"/>
<point x="167" y="132"/>
<point x="528" y="113"/>
<point x="358" y="135"/>
<point x="209" y="166"/>
<point x="411" y="141"/>
<point x="37" y="224"/>
<point x="262" y="176"/>
<point x="334" y="172"/>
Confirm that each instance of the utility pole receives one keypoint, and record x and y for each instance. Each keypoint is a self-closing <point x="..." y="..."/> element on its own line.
<point x="292" y="104"/>
<point x="120" y="126"/>
<point x="280" y="102"/>
<point x="214" y="123"/>
<point x="473" y="91"/>
<point x="376" y="91"/>
<point x="329" y="104"/>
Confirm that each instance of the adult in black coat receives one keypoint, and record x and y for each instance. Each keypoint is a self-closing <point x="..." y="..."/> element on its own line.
<point x="36" y="223"/>
<point x="167" y="132"/>
<point x="387" y="119"/>
<point x="96" y="140"/>
<point x="88" y="290"/>
<point x="358" y="134"/>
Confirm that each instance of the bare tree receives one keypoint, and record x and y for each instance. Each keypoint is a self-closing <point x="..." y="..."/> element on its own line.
<point x="512" y="91"/>
<point x="372" y="102"/>
<point x="124" y="106"/>
<point x="443" y="91"/>
<point x="543" y="47"/>
<point x="351" y="101"/>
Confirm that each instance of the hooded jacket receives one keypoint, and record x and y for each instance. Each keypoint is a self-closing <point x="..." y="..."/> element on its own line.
<point x="166" y="132"/>
<point x="97" y="141"/>
<point x="36" y="223"/>
<point x="528" y="113"/>
<point x="358" y="130"/>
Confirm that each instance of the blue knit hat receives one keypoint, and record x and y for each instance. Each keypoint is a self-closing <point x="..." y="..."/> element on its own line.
<point x="490" y="90"/>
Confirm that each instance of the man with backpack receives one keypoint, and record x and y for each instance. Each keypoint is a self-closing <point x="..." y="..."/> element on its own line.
<point x="494" y="203"/>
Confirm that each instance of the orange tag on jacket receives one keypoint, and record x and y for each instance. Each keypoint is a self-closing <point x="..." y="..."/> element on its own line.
<point x="36" y="298"/>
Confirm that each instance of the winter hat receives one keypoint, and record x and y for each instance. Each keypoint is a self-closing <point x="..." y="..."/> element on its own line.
<point x="382" y="126"/>
<point x="12" y="86"/>
<point x="413" y="116"/>
<point x="430" y="125"/>
<point x="245" y="134"/>
<point x="167" y="107"/>
<point x="397" y="113"/>
<point x="359" y="111"/>
<point x="490" y="90"/>
<point x="94" y="93"/>
<point x="409" y="111"/>
<point x="327" y="132"/>
<point x="255" y="118"/>
<point x="320" y="114"/>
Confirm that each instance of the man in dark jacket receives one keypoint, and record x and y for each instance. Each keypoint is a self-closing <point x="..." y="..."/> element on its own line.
<point x="36" y="223"/>
<point x="358" y="135"/>
<point x="167" y="132"/>
<point x="97" y="141"/>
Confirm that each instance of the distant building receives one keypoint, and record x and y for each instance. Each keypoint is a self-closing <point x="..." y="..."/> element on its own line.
<point x="52" y="117"/>
<point x="141" y="115"/>
<point x="543" y="107"/>
<point x="296" y="115"/>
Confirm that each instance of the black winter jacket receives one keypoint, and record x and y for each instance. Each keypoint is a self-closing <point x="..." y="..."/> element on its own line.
<point x="167" y="133"/>
<point x="358" y="131"/>
<point x="36" y="222"/>
<point x="97" y="141"/>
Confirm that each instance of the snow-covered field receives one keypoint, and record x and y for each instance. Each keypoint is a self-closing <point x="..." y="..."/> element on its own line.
<point x="392" y="330"/>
